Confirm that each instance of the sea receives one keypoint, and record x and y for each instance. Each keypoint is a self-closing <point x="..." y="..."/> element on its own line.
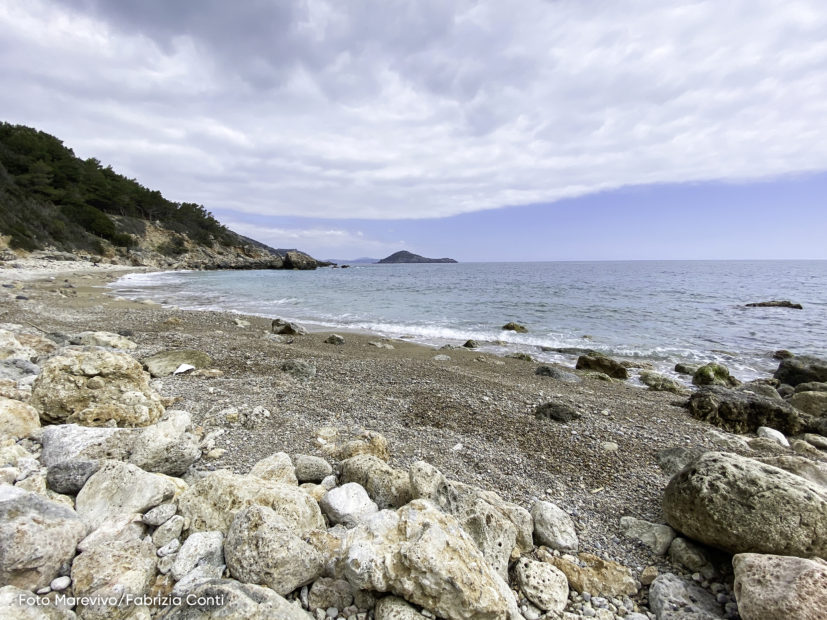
<point x="660" y="312"/>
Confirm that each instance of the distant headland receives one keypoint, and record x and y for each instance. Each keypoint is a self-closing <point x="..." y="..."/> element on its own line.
<point x="409" y="257"/>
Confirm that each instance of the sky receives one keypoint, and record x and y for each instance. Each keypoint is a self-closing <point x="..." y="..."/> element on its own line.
<point x="480" y="130"/>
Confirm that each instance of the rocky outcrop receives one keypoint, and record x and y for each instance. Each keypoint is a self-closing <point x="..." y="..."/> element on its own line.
<point x="772" y="587"/>
<point x="511" y="326"/>
<point x="775" y="304"/>
<point x="740" y="505"/>
<point x="801" y="369"/>
<point x="94" y="387"/>
<point x="743" y="412"/>
<point x="601" y="363"/>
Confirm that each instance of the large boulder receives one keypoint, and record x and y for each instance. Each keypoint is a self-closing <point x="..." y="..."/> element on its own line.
<point x="743" y="412"/>
<point x="280" y="326"/>
<point x="261" y="548"/>
<point x="37" y="538"/>
<point x="740" y="505"/>
<point x="122" y="488"/>
<point x="94" y="387"/>
<point x="388" y="487"/>
<point x="553" y="527"/>
<point x="501" y="530"/>
<point x="108" y="572"/>
<point x="801" y="369"/>
<point x="814" y="403"/>
<point x="602" y="363"/>
<point x="166" y="363"/>
<point x="65" y="442"/>
<point x="17" y="419"/>
<point x="427" y="558"/>
<point x="167" y="447"/>
<point x="212" y="502"/>
<point x="219" y="599"/>
<point x="772" y="587"/>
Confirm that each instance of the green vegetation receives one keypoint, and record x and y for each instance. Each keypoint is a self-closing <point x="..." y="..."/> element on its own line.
<point x="50" y="197"/>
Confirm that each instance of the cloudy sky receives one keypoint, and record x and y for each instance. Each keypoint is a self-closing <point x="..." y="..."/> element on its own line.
<point x="483" y="130"/>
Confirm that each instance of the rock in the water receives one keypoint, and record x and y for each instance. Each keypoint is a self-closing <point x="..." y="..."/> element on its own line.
<point x="654" y="535"/>
<point x="68" y="477"/>
<point x="814" y="403"/>
<point x="543" y="584"/>
<point x="560" y="412"/>
<point x="743" y="412"/>
<point x="94" y="387"/>
<point x="741" y="505"/>
<point x="37" y="537"/>
<point x="772" y="587"/>
<point x="424" y="556"/>
<point x="276" y="468"/>
<point x="686" y="369"/>
<point x="334" y="339"/>
<point x="785" y="303"/>
<point x="118" y="488"/>
<point x="471" y="344"/>
<point x="167" y="447"/>
<point x="554" y="528"/>
<point x="501" y="530"/>
<point x="556" y="373"/>
<point x="17" y="419"/>
<point x="300" y="369"/>
<point x="773" y="435"/>
<point x="660" y="383"/>
<point x="801" y="369"/>
<point x="714" y="374"/>
<point x="261" y="548"/>
<point x="166" y="363"/>
<point x="597" y="576"/>
<point x="104" y="339"/>
<point x="212" y="502"/>
<point x="108" y="572"/>
<point x="672" y="598"/>
<point x="280" y="326"/>
<point x="511" y="326"/>
<point x="388" y="487"/>
<point x="348" y="504"/>
<point x="602" y="363"/>
<point x="217" y="599"/>
<point x="311" y="468"/>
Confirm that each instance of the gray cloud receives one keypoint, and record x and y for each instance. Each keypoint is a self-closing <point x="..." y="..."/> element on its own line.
<point x="413" y="108"/>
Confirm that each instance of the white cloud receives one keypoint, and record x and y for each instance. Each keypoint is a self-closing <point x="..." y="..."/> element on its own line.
<point x="412" y="109"/>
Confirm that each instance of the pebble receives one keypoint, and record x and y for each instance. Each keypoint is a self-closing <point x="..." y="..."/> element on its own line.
<point x="60" y="583"/>
<point x="332" y="612"/>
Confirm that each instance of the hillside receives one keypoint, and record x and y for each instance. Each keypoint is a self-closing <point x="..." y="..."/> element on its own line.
<point x="409" y="257"/>
<point x="52" y="201"/>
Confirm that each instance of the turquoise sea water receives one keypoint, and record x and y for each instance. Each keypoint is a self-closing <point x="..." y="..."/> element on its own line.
<point x="658" y="311"/>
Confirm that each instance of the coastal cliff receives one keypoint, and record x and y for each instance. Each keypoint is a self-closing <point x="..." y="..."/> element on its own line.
<point x="60" y="207"/>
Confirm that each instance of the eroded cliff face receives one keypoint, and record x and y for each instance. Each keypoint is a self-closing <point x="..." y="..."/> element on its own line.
<point x="163" y="249"/>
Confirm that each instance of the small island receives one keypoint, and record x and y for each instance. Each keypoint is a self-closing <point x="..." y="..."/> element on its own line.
<point x="409" y="257"/>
